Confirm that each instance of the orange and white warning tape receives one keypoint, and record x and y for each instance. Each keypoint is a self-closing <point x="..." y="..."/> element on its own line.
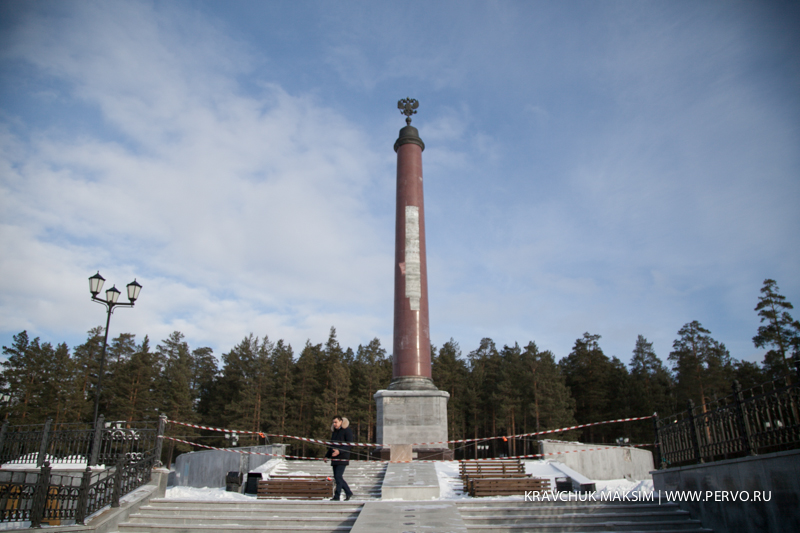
<point x="548" y="432"/>
<point x="264" y="435"/>
<point x="305" y="458"/>
<point x="460" y="441"/>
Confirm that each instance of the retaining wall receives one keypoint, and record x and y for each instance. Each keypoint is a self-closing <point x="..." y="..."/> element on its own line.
<point x="617" y="462"/>
<point x="208" y="468"/>
<point x="777" y="474"/>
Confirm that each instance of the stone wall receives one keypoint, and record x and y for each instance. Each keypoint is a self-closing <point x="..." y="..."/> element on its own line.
<point x="776" y="475"/>
<point x="618" y="462"/>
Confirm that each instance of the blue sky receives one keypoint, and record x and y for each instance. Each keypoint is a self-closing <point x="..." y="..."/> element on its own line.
<point x="618" y="168"/>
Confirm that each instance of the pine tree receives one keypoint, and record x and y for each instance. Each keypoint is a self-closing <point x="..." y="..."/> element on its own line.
<point x="248" y="378"/>
<point x="651" y="387"/>
<point x="509" y="387"/>
<point x="334" y="377"/>
<point x="781" y="332"/>
<point x="173" y="389"/>
<point x="485" y="402"/>
<point x="282" y="361"/>
<point x="549" y="404"/>
<point x="204" y="374"/>
<point x="371" y="372"/>
<point x="450" y="373"/>
<point x="703" y="366"/>
<point x="596" y="382"/>
<point x="29" y="371"/>
<point x="306" y="389"/>
<point x="86" y="358"/>
<point x="748" y="374"/>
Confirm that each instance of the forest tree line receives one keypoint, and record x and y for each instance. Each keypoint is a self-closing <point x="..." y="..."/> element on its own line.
<point x="264" y="386"/>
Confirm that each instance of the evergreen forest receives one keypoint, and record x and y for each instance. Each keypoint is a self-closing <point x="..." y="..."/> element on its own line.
<point x="262" y="385"/>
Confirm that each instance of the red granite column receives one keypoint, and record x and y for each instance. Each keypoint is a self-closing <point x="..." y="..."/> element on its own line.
<point x="411" y="361"/>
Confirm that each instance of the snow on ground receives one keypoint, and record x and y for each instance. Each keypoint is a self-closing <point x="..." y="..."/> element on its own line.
<point x="206" y="494"/>
<point x="447" y="472"/>
<point x="610" y="486"/>
<point x="267" y="468"/>
<point x="72" y="462"/>
<point x="450" y="485"/>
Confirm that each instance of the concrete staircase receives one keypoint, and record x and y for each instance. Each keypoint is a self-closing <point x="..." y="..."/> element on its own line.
<point x="272" y="516"/>
<point x="363" y="477"/>
<point x="496" y="516"/>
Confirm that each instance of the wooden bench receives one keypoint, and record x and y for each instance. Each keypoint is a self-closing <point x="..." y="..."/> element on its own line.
<point x="296" y="487"/>
<point x="500" y="467"/>
<point x="468" y="477"/>
<point x="507" y="486"/>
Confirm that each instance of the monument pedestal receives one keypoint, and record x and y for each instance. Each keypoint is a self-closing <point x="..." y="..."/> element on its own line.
<point x="406" y="417"/>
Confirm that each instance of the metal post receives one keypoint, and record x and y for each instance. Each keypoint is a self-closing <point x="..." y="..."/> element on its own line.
<point x="97" y="440"/>
<point x="102" y="364"/>
<point x="796" y="361"/>
<point x="40" y="496"/>
<point x="83" y="496"/>
<point x="117" y="492"/>
<point x="745" y="434"/>
<point x="695" y="434"/>
<point x="44" y="443"/>
<point x="3" y="432"/>
<point x="162" y="426"/>
<point x="659" y="458"/>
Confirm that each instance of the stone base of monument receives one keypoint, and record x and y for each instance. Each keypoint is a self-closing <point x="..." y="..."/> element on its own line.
<point x="417" y="417"/>
<point x="405" y="452"/>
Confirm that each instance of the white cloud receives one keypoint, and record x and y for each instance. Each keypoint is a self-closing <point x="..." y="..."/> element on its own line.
<point x="237" y="213"/>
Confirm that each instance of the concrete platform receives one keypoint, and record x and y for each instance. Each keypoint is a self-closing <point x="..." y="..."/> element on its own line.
<point x="410" y="481"/>
<point x="403" y="517"/>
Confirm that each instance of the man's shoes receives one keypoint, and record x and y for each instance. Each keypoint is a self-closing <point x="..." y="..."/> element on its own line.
<point x="335" y="499"/>
<point x="348" y="496"/>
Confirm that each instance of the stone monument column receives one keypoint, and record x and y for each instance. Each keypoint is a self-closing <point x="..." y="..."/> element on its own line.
<point x="411" y="360"/>
<point x="412" y="410"/>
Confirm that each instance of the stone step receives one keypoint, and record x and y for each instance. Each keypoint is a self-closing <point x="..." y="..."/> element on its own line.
<point x="335" y="510"/>
<point x="250" y="521"/>
<point x="365" y="478"/>
<point x="584" y="517"/>
<point x="275" y="516"/>
<point x="165" y="528"/>
<point x="517" y="517"/>
<point x="257" y="505"/>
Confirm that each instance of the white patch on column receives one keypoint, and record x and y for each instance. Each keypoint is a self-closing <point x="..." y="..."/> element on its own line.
<point x="413" y="265"/>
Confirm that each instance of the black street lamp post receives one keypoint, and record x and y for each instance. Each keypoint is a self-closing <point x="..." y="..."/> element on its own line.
<point x="112" y="294"/>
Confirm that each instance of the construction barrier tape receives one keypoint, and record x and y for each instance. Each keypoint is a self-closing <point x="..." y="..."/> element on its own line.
<point x="327" y="443"/>
<point x="264" y="435"/>
<point x="532" y="456"/>
<point x="548" y="432"/>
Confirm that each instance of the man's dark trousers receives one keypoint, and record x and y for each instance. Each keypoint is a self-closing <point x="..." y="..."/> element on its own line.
<point x="338" y="476"/>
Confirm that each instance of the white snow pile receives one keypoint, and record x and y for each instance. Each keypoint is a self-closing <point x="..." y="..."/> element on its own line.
<point x="451" y="488"/>
<point x="219" y="493"/>
<point x="205" y="494"/>
<point x="71" y="462"/>
<point x="620" y="486"/>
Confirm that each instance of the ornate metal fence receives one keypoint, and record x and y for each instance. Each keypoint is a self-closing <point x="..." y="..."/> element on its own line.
<point x="44" y="486"/>
<point x="763" y="419"/>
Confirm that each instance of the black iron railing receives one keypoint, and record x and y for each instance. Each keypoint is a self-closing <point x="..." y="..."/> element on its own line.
<point x="760" y="420"/>
<point x="44" y="486"/>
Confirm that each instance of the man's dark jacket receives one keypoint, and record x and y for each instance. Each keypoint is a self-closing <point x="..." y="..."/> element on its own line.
<point x="343" y="434"/>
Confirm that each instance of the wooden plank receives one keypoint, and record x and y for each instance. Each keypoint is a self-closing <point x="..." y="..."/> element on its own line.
<point x="296" y="487"/>
<point x="466" y="478"/>
<point x="506" y="486"/>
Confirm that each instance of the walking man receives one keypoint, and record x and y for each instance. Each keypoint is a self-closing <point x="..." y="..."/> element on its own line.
<point x="340" y="455"/>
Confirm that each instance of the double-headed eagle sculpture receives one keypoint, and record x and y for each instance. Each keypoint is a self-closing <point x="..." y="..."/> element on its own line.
<point x="408" y="107"/>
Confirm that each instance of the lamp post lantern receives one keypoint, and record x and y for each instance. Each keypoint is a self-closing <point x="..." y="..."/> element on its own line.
<point x="112" y="295"/>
